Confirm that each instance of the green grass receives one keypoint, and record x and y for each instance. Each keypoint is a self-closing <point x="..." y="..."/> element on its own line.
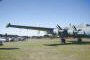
<point x="45" y="49"/>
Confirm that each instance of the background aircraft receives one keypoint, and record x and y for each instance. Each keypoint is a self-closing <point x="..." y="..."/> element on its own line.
<point x="7" y="37"/>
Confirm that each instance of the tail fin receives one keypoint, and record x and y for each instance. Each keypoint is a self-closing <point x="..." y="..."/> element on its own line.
<point x="8" y="25"/>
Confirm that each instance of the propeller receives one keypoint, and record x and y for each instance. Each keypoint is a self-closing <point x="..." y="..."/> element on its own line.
<point x="62" y="32"/>
<point x="76" y="31"/>
<point x="75" y="28"/>
<point x="59" y="27"/>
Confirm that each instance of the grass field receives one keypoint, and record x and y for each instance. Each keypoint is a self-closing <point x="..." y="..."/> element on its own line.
<point x="45" y="49"/>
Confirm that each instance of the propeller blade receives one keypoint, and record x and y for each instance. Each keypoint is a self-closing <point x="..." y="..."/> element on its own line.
<point x="74" y="28"/>
<point x="59" y="27"/>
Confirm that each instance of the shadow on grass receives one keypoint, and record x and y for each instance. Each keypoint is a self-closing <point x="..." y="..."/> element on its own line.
<point x="8" y="48"/>
<point x="70" y="43"/>
<point x="81" y="43"/>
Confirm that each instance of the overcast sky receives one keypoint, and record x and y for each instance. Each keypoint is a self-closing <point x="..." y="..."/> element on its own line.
<point x="45" y="13"/>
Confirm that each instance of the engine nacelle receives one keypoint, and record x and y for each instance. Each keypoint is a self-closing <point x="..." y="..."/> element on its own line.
<point x="55" y="31"/>
<point x="70" y="32"/>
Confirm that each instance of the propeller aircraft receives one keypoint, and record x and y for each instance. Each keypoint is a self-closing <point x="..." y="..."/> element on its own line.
<point x="72" y="31"/>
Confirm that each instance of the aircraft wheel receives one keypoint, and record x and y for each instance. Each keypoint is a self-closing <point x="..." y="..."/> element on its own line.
<point x="79" y="40"/>
<point x="63" y="41"/>
<point x="1" y="42"/>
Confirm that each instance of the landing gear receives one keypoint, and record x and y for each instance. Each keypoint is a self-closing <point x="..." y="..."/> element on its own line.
<point x="1" y="42"/>
<point x="63" y="41"/>
<point x="79" y="40"/>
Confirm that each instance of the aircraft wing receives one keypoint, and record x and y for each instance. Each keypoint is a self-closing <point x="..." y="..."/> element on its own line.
<point x="30" y="27"/>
